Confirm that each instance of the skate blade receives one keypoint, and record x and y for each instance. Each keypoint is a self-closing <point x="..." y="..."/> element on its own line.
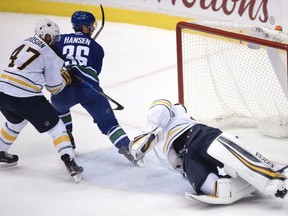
<point x="142" y="162"/>
<point x="78" y="177"/>
<point x="4" y="165"/>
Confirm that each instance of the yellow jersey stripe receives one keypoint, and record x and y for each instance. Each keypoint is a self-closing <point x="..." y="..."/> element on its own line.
<point x="162" y="102"/>
<point x="174" y="132"/>
<point x="171" y="133"/>
<point x="54" y="90"/>
<point x="5" y="76"/>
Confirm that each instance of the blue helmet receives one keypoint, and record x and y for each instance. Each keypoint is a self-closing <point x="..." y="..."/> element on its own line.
<point x="80" y="18"/>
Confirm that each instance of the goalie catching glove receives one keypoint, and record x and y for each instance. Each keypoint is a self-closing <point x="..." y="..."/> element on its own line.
<point x="144" y="143"/>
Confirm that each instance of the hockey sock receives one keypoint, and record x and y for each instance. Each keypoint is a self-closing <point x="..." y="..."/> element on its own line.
<point x="118" y="137"/>
<point x="61" y="139"/>
<point x="67" y="120"/>
<point x="9" y="133"/>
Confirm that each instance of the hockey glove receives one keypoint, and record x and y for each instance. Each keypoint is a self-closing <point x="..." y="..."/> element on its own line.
<point x="83" y="74"/>
<point x="144" y="143"/>
<point x="66" y="76"/>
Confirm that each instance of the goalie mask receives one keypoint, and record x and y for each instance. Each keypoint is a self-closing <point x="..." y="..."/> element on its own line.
<point x="80" y="18"/>
<point x="46" y="26"/>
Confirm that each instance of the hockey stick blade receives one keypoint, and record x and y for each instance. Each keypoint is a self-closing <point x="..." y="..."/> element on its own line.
<point x="119" y="106"/>
<point x="102" y="25"/>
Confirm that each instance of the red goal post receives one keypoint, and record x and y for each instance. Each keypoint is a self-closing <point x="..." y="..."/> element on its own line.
<point x="234" y="74"/>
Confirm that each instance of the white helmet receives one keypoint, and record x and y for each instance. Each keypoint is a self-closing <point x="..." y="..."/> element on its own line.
<point x="46" y="26"/>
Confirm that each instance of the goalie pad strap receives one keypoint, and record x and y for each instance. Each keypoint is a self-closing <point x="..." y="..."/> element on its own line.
<point x="229" y="191"/>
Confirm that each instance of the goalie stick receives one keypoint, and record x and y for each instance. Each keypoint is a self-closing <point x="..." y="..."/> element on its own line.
<point x="102" y="24"/>
<point x="119" y="106"/>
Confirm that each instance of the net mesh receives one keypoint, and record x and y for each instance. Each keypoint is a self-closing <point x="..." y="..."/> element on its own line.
<point x="233" y="82"/>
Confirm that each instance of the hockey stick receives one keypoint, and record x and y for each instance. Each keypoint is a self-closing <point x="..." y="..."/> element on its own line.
<point x="119" y="106"/>
<point x="102" y="25"/>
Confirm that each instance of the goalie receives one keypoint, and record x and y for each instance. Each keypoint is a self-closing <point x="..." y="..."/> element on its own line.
<point x="199" y="152"/>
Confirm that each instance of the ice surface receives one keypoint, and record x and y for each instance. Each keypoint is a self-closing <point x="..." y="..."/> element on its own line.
<point x="139" y="66"/>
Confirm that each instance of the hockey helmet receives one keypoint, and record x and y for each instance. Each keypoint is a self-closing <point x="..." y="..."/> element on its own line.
<point x="46" y="26"/>
<point x="80" y="18"/>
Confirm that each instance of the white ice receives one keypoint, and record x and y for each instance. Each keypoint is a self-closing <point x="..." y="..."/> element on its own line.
<point x="139" y="66"/>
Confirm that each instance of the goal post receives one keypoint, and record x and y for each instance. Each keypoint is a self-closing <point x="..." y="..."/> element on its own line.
<point x="234" y="74"/>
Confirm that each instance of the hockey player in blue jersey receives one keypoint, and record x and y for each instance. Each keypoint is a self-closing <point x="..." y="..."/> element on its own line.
<point x="83" y="58"/>
<point x="199" y="152"/>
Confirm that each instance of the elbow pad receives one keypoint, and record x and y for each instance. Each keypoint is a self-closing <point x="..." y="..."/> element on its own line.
<point x="160" y="113"/>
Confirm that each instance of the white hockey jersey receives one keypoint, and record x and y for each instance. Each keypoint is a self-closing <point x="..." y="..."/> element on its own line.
<point x="173" y="125"/>
<point x="33" y="65"/>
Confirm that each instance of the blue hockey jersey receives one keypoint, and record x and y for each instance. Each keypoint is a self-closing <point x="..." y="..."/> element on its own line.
<point x="80" y="49"/>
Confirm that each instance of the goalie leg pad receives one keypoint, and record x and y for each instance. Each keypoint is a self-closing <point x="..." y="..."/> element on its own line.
<point x="227" y="191"/>
<point x="240" y="188"/>
<point x="230" y="151"/>
<point x="235" y="188"/>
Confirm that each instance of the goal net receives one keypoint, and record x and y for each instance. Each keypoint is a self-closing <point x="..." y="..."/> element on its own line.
<point x="234" y="74"/>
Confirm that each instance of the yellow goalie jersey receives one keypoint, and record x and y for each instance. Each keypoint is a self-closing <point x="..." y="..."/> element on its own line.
<point x="33" y="65"/>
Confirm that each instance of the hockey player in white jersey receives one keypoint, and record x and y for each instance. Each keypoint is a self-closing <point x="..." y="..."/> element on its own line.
<point x="199" y="152"/>
<point x="33" y="66"/>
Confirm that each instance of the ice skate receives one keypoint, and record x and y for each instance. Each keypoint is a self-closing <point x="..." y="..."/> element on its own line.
<point x="8" y="160"/>
<point x="74" y="170"/>
<point x="124" y="151"/>
<point x="282" y="190"/>
<point x="281" y="193"/>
